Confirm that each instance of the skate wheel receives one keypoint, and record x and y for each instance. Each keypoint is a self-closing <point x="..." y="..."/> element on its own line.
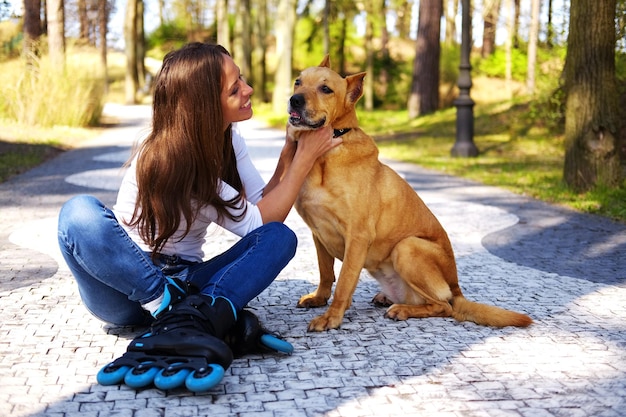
<point x="204" y="381"/>
<point x="141" y="376"/>
<point x="165" y="380"/>
<point x="111" y="375"/>
<point x="277" y="344"/>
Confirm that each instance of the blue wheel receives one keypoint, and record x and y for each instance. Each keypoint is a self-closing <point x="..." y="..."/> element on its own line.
<point x="111" y="375"/>
<point x="141" y="376"/>
<point x="204" y="381"/>
<point x="277" y="344"/>
<point x="166" y="380"/>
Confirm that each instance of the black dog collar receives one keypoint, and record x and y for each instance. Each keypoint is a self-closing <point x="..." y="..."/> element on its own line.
<point x="340" y="132"/>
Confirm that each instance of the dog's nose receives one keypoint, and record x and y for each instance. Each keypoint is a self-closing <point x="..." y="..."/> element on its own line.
<point x="296" y="101"/>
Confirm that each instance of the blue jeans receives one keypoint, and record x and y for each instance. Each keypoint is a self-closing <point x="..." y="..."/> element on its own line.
<point x="115" y="277"/>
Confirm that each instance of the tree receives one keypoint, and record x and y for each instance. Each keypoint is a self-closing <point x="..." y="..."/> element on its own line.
<point x="450" y="11"/>
<point x="532" y="46"/>
<point x="221" y="20"/>
<point x="424" y="97"/>
<point x="508" y="45"/>
<point x="103" y="19"/>
<point x="32" y="30"/>
<point x="370" y="23"/>
<point x="83" y="21"/>
<point x="56" y="33"/>
<point x="242" y="39"/>
<point x="591" y="106"/>
<point x="284" y="26"/>
<point x="130" y="38"/>
<point x="403" y="17"/>
<point x="259" y="67"/>
<point x="490" y="20"/>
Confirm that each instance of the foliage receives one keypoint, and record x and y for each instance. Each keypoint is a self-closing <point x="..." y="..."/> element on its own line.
<point x="495" y="64"/>
<point x="167" y="37"/>
<point x="32" y="96"/>
<point x="10" y="39"/>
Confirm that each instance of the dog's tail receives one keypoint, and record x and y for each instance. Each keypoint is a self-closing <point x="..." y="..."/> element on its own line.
<point x="486" y="315"/>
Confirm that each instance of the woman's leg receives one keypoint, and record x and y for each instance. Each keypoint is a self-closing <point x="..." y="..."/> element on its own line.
<point x="114" y="276"/>
<point x="245" y="270"/>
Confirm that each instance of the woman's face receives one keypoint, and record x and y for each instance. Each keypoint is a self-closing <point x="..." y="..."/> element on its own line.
<point x="236" y="104"/>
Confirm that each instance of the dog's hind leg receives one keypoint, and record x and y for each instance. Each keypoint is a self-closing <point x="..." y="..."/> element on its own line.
<point x="421" y="265"/>
<point x="326" y="262"/>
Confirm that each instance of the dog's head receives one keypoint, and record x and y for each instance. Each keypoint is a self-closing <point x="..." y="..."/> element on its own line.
<point x="322" y="97"/>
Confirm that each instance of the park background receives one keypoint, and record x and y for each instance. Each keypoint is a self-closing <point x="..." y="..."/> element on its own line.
<point x="548" y="78"/>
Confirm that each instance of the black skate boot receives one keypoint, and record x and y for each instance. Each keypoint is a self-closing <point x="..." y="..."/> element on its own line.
<point x="184" y="346"/>
<point x="249" y="336"/>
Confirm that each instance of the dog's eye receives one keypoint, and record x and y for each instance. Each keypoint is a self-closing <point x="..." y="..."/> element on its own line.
<point x="296" y="83"/>
<point x="326" y="90"/>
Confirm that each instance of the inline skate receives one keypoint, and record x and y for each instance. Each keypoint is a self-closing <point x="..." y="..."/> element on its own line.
<point x="192" y="342"/>
<point x="248" y="336"/>
<point x="184" y="346"/>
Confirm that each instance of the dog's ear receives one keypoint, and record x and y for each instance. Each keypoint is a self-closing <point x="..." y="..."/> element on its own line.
<point x="325" y="62"/>
<point x="355" y="86"/>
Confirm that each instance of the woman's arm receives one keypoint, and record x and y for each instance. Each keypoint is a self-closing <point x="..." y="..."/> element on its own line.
<point x="294" y="164"/>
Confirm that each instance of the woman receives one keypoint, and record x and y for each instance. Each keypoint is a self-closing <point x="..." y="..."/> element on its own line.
<point x="192" y="170"/>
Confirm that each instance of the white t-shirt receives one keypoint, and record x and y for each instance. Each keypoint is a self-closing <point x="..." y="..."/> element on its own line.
<point x="190" y="247"/>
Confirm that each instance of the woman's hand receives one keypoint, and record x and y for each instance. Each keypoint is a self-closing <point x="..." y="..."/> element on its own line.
<point x="296" y="160"/>
<point x="314" y="143"/>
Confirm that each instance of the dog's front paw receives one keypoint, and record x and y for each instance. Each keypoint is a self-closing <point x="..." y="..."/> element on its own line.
<point x="324" y="322"/>
<point x="312" y="300"/>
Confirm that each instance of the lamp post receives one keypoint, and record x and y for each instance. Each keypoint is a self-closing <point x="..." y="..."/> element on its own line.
<point x="464" y="145"/>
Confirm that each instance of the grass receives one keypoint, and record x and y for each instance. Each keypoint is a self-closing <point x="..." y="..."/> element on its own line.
<point x="47" y="111"/>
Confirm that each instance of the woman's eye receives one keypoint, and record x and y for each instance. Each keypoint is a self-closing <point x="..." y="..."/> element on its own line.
<point x="242" y="79"/>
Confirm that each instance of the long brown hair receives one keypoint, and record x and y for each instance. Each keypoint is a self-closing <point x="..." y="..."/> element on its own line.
<point x="187" y="152"/>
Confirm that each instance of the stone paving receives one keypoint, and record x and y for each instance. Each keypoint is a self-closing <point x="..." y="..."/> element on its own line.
<point x="566" y="270"/>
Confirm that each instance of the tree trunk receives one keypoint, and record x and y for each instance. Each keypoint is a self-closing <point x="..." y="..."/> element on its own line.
<point x="56" y="33"/>
<point x="403" y="24"/>
<point x="368" y="88"/>
<point x="341" y="46"/>
<point x="532" y="46"/>
<point x="103" y="18"/>
<point x="424" y="97"/>
<point x="517" y="8"/>
<point x="242" y="41"/>
<point x="326" y="24"/>
<point x="285" y="25"/>
<point x="83" y="21"/>
<point x="141" y="46"/>
<point x="490" y="21"/>
<point x="550" y="27"/>
<point x="260" y="51"/>
<point x="130" y="38"/>
<point x="450" y="12"/>
<point x="223" y="29"/>
<point x="508" y="45"/>
<point x="591" y="107"/>
<point x="383" y="85"/>
<point x="32" y="30"/>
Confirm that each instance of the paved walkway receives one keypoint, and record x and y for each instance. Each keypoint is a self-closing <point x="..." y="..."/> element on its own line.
<point x="566" y="270"/>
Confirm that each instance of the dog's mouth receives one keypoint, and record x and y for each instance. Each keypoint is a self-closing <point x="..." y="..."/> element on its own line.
<point x="296" y="119"/>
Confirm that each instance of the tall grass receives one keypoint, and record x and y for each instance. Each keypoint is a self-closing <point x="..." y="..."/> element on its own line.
<point x="44" y="95"/>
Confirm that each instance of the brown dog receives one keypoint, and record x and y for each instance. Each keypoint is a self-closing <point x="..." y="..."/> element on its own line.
<point x="363" y="213"/>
